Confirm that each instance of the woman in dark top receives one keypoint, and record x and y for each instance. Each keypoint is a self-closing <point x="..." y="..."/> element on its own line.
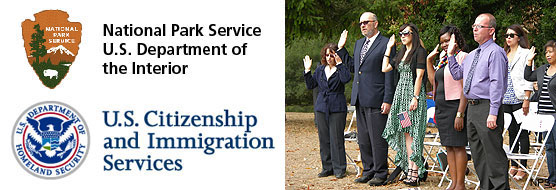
<point x="331" y="108"/>
<point x="544" y="76"/>
<point x="406" y="138"/>
<point x="450" y="103"/>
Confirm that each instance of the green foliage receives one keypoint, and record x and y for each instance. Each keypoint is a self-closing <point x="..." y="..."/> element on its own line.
<point x="312" y="23"/>
<point x="296" y="91"/>
<point x="62" y="68"/>
<point x="296" y="108"/>
<point x="312" y="18"/>
<point x="37" y="47"/>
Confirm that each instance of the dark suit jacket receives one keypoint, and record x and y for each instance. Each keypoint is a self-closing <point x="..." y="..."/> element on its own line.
<point x="538" y="75"/>
<point x="371" y="87"/>
<point x="331" y="98"/>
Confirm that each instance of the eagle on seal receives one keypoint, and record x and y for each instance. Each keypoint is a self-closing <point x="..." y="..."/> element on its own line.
<point x="50" y="137"/>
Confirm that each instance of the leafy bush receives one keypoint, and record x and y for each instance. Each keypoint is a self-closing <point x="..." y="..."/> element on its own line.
<point x="312" y="23"/>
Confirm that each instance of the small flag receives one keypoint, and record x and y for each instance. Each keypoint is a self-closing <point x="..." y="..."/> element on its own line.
<point x="404" y="119"/>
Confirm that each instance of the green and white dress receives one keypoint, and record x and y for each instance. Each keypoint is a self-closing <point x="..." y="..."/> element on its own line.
<point x="394" y="133"/>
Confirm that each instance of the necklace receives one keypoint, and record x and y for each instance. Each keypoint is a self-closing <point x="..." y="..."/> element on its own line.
<point x="444" y="61"/>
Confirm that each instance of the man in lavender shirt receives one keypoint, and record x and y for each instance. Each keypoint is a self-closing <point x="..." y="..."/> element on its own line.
<point x="484" y="72"/>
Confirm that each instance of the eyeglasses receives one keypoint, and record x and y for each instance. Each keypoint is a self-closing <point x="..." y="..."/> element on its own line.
<point x="479" y="26"/>
<point x="511" y="35"/>
<point x="405" y="33"/>
<point x="366" y="22"/>
<point x="330" y="55"/>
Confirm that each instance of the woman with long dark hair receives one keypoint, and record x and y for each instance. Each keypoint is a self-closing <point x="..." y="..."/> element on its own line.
<point x="331" y="108"/>
<point x="406" y="124"/>
<point x="518" y="91"/>
<point x="450" y="103"/>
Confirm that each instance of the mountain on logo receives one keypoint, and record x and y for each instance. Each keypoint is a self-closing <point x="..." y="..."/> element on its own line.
<point x="51" y="43"/>
<point x="60" y="49"/>
<point x="59" y="54"/>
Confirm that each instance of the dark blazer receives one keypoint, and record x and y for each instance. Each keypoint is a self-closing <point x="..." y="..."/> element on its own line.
<point x="371" y="87"/>
<point x="331" y="98"/>
<point x="538" y="75"/>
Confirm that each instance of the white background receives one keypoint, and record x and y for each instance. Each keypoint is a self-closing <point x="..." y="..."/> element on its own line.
<point x="253" y="84"/>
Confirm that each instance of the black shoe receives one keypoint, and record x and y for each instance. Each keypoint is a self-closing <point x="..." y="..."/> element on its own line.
<point x="413" y="178"/>
<point x="325" y="173"/>
<point x="363" y="179"/>
<point x="376" y="181"/>
<point x="341" y="175"/>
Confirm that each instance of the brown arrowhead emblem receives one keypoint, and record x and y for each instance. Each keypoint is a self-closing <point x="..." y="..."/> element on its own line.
<point x="51" y="44"/>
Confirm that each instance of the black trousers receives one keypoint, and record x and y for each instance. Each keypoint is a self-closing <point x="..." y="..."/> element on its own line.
<point x="331" y="141"/>
<point x="488" y="155"/>
<point x="522" y="144"/>
<point x="373" y="148"/>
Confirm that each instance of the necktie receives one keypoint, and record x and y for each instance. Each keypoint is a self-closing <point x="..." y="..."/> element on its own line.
<point x="364" y="51"/>
<point x="467" y="85"/>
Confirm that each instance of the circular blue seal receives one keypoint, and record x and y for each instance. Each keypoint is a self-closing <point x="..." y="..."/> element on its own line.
<point x="50" y="140"/>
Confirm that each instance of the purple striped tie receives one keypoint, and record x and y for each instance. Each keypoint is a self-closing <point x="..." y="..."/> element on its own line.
<point x="364" y="51"/>
<point x="467" y="85"/>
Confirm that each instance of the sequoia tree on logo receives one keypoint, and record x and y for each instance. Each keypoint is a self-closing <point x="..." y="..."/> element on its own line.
<point x="51" y="44"/>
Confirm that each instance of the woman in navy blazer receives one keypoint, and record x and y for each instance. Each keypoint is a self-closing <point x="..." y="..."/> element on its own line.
<point x="331" y="108"/>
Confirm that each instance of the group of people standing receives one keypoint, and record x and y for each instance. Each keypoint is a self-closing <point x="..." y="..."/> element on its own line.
<point x="471" y="92"/>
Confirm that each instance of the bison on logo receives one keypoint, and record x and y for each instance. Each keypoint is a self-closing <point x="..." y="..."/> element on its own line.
<point x="51" y="44"/>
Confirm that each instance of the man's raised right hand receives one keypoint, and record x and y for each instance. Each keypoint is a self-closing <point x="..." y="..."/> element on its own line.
<point x="343" y="38"/>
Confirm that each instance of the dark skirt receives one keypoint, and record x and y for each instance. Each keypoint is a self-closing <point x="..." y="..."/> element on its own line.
<point x="445" y="115"/>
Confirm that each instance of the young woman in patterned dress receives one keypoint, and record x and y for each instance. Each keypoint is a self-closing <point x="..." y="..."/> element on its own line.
<point x="408" y="97"/>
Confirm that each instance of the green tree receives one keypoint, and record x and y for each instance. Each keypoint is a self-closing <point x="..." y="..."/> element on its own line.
<point x="312" y="23"/>
<point x="37" y="43"/>
<point x="320" y="18"/>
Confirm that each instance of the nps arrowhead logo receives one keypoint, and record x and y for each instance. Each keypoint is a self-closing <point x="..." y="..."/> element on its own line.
<point x="51" y="44"/>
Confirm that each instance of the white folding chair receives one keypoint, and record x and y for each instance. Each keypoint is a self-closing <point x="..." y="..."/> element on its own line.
<point x="434" y="147"/>
<point x="432" y="140"/>
<point x="507" y="122"/>
<point x="351" y="136"/>
<point x="535" y="123"/>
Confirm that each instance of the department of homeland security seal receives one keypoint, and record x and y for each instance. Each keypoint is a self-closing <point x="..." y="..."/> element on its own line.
<point x="50" y="140"/>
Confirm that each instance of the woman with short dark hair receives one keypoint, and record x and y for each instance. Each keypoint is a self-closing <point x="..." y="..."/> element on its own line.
<point x="545" y="75"/>
<point x="331" y="109"/>
<point x="450" y="103"/>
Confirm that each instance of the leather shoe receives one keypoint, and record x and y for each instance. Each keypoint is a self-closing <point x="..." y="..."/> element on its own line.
<point x="325" y="173"/>
<point x="340" y="175"/>
<point x="363" y="179"/>
<point x="376" y="181"/>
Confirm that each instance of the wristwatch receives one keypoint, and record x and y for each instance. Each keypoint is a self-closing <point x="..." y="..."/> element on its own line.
<point x="460" y="115"/>
<point x="416" y="97"/>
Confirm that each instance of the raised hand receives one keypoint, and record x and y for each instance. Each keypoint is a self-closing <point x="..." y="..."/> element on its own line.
<point x="442" y="54"/>
<point x="452" y="45"/>
<point x="531" y="55"/>
<point x="307" y="62"/>
<point x="391" y="41"/>
<point x="433" y="53"/>
<point x="337" y="58"/>
<point x="343" y="38"/>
